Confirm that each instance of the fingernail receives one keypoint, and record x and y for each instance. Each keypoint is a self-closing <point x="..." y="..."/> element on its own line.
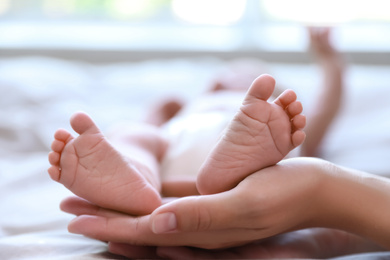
<point x="163" y="223"/>
<point x="73" y="227"/>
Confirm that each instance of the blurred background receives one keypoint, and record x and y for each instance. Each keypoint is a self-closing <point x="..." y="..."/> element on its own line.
<point x="115" y="58"/>
<point x="130" y="30"/>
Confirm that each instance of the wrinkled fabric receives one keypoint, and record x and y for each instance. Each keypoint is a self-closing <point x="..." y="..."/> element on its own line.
<point x="38" y="95"/>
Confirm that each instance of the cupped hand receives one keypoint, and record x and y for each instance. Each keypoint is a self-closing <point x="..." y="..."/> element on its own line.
<point x="274" y="200"/>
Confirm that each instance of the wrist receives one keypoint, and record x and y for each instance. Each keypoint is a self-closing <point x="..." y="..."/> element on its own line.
<point x="335" y="193"/>
<point x="321" y="195"/>
<point x="354" y="201"/>
<point x="312" y="211"/>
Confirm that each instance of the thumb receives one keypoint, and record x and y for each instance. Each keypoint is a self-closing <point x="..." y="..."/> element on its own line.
<point x="197" y="213"/>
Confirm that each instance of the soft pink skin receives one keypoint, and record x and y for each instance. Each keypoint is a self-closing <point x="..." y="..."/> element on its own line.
<point x="93" y="169"/>
<point x="261" y="134"/>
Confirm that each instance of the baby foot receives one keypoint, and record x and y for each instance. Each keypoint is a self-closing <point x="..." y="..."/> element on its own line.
<point x="93" y="169"/>
<point x="260" y="135"/>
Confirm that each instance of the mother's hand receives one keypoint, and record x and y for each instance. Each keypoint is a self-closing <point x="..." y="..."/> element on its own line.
<point x="274" y="200"/>
<point x="308" y="243"/>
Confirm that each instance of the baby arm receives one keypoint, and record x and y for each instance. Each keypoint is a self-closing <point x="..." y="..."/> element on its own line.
<point x="330" y="96"/>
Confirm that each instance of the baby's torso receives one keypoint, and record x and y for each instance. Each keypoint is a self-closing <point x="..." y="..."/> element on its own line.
<point x="195" y="131"/>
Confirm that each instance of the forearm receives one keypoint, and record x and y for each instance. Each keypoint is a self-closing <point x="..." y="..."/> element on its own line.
<point x="358" y="203"/>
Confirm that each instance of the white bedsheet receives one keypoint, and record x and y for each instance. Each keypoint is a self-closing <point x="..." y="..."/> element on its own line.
<point x="38" y="95"/>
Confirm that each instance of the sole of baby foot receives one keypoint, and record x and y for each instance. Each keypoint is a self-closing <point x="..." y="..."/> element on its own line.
<point x="90" y="167"/>
<point x="260" y="135"/>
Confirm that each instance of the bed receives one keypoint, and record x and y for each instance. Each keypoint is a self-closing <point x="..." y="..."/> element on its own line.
<point x="38" y="95"/>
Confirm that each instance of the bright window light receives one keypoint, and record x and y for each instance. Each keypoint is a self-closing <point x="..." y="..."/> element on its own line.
<point x="377" y="10"/>
<point x="214" y="12"/>
<point x="132" y="8"/>
<point x="103" y="9"/>
<point x="58" y="8"/>
<point x="4" y="6"/>
<point x="328" y="12"/>
<point x="319" y="12"/>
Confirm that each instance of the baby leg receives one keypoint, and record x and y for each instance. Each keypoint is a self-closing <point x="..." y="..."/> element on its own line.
<point x="93" y="169"/>
<point x="261" y="134"/>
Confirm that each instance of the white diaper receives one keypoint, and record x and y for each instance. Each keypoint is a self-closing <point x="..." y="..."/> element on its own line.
<point x="195" y="131"/>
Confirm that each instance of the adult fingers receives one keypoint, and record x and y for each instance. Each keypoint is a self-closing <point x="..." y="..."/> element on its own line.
<point x="136" y="231"/>
<point x="121" y="229"/>
<point x="198" y="213"/>
<point x="107" y="225"/>
<point x="79" y="206"/>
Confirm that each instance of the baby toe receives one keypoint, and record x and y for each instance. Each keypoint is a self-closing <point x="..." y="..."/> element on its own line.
<point x="262" y="88"/>
<point x="62" y="135"/>
<point x="54" y="158"/>
<point x="299" y="121"/>
<point x="83" y="123"/>
<point x="286" y="98"/>
<point x="298" y="138"/>
<point x="57" y="146"/>
<point x="295" y="108"/>
<point x="54" y="173"/>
